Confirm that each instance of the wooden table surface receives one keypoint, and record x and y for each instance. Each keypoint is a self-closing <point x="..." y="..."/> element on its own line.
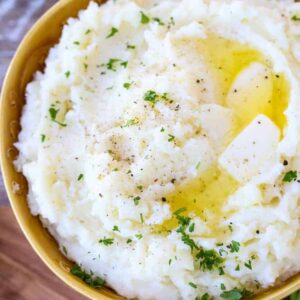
<point x="23" y="276"/>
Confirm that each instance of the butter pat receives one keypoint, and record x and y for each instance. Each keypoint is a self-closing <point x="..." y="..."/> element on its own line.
<point x="251" y="150"/>
<point x="218" y="123"/>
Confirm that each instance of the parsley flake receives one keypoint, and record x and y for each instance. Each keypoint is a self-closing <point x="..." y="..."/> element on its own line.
<point x="94" y="282"/>
<point x="209" y="259"/>
<point x="130" y="122"/>
<point x="106" y="241"/>
<point x="159" y="21"/>
<point x="67" y="74"/>
<point x="192" y="227"/>
<point x="234" y="246"/>
<point x="142" y="218"/>
<point x="116" y="228"/>
<point x="130" y="46"/>
<point x="53" y="114"/>
<point x="136" y="200"/>
<point x="139" y="236"/>
<point x="290" y="176"/>
<point x="203" y="297"/>
<point x="248" y="264"/>
<point x="127" y="85"/>
<point x="171" y="138"/>
<point x="221" y="271"/>
<point x="65" y="250"/>
<point x="43" y="137"/>
<point x="193" y="285"/>
<point x="113" y="31"/>
<point x="295" y="18"/>
<point x="80" y="177"/>
<point x="124" y="64"/>
<point x="236" y="294"/>
<point x="144" y="19"/>
<point x="151" y="96"/>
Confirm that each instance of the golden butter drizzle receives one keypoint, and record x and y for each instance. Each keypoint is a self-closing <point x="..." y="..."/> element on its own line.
<point x="205" y="195"/>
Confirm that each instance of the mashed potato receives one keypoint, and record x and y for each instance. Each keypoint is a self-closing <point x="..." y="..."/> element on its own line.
<point x="161" y="145"/>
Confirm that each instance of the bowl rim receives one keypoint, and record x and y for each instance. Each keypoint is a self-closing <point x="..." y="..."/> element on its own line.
<point x="275" y="293"/>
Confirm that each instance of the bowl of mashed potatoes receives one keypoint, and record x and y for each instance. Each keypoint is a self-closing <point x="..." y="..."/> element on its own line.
<point x="150" y="149"/>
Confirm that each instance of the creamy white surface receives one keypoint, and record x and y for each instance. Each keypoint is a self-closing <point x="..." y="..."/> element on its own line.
<point x="95" y="107"/>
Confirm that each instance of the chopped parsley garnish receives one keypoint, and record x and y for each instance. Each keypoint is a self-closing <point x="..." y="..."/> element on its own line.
<point x="136" y="200"/>
<point x="130" y="46"/>
<point x="192" y="227"/>
<point x="94" y="282"/>
<point x="232" y="295"/>
<point x="142" y="218"/>
<point x="67" y="74"/>
<point x="140" y="187"/>
<point x="236" y="294"/>
<point x="112" y="64"/>
<point x="223" y="287"/>
<point x="237" y="268"/>
<point x="203" y="297"/>
<point x="198" y="165"/>
<point x="85" y="66"/>
<point x="43" y="137"/>
<point x="127" y="85"/>
<point x="162" y="129"/>
<point x="171" y="138"/>
<point x="124" y="64"/>
<point x="188" y="241"/>
<point x="76" y="43"/>
<point x="139" y="236"/>
<point x="172" y="21"/>
<point x="248" y="264"/>
<point x="159" y="21"/>
<point x="184" y="222"/>
<point x="290" y="176"/>
<point x="295" y="18"/>
<point x="179" y="211"/>
<point x="221" y="271"/>
<point x="144" y="19"/>
<point x="130" y="122"/>
<point x="65" y="250"/>
<point x="80" y="177"/>
<point x="151" y="96"/>
<point x="234" y="246"/>
<point x="209" y="259"/>
<point x="221" y="251"/>
<point x="53" y="113"/>
<point x="116" y="228"/>
<point x="88" y="31"/>
<point x="129" y="241"/>
<point x="106" y="241"/>
<point x="193" y="285"/>
<point x="113" y="31"/>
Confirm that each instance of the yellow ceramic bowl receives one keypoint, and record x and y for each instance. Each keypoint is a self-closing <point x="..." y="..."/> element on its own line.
<point x="29" y="58"/>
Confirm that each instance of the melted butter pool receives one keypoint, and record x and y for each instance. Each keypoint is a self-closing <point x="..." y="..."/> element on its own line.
<point x="205" y="195"/>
